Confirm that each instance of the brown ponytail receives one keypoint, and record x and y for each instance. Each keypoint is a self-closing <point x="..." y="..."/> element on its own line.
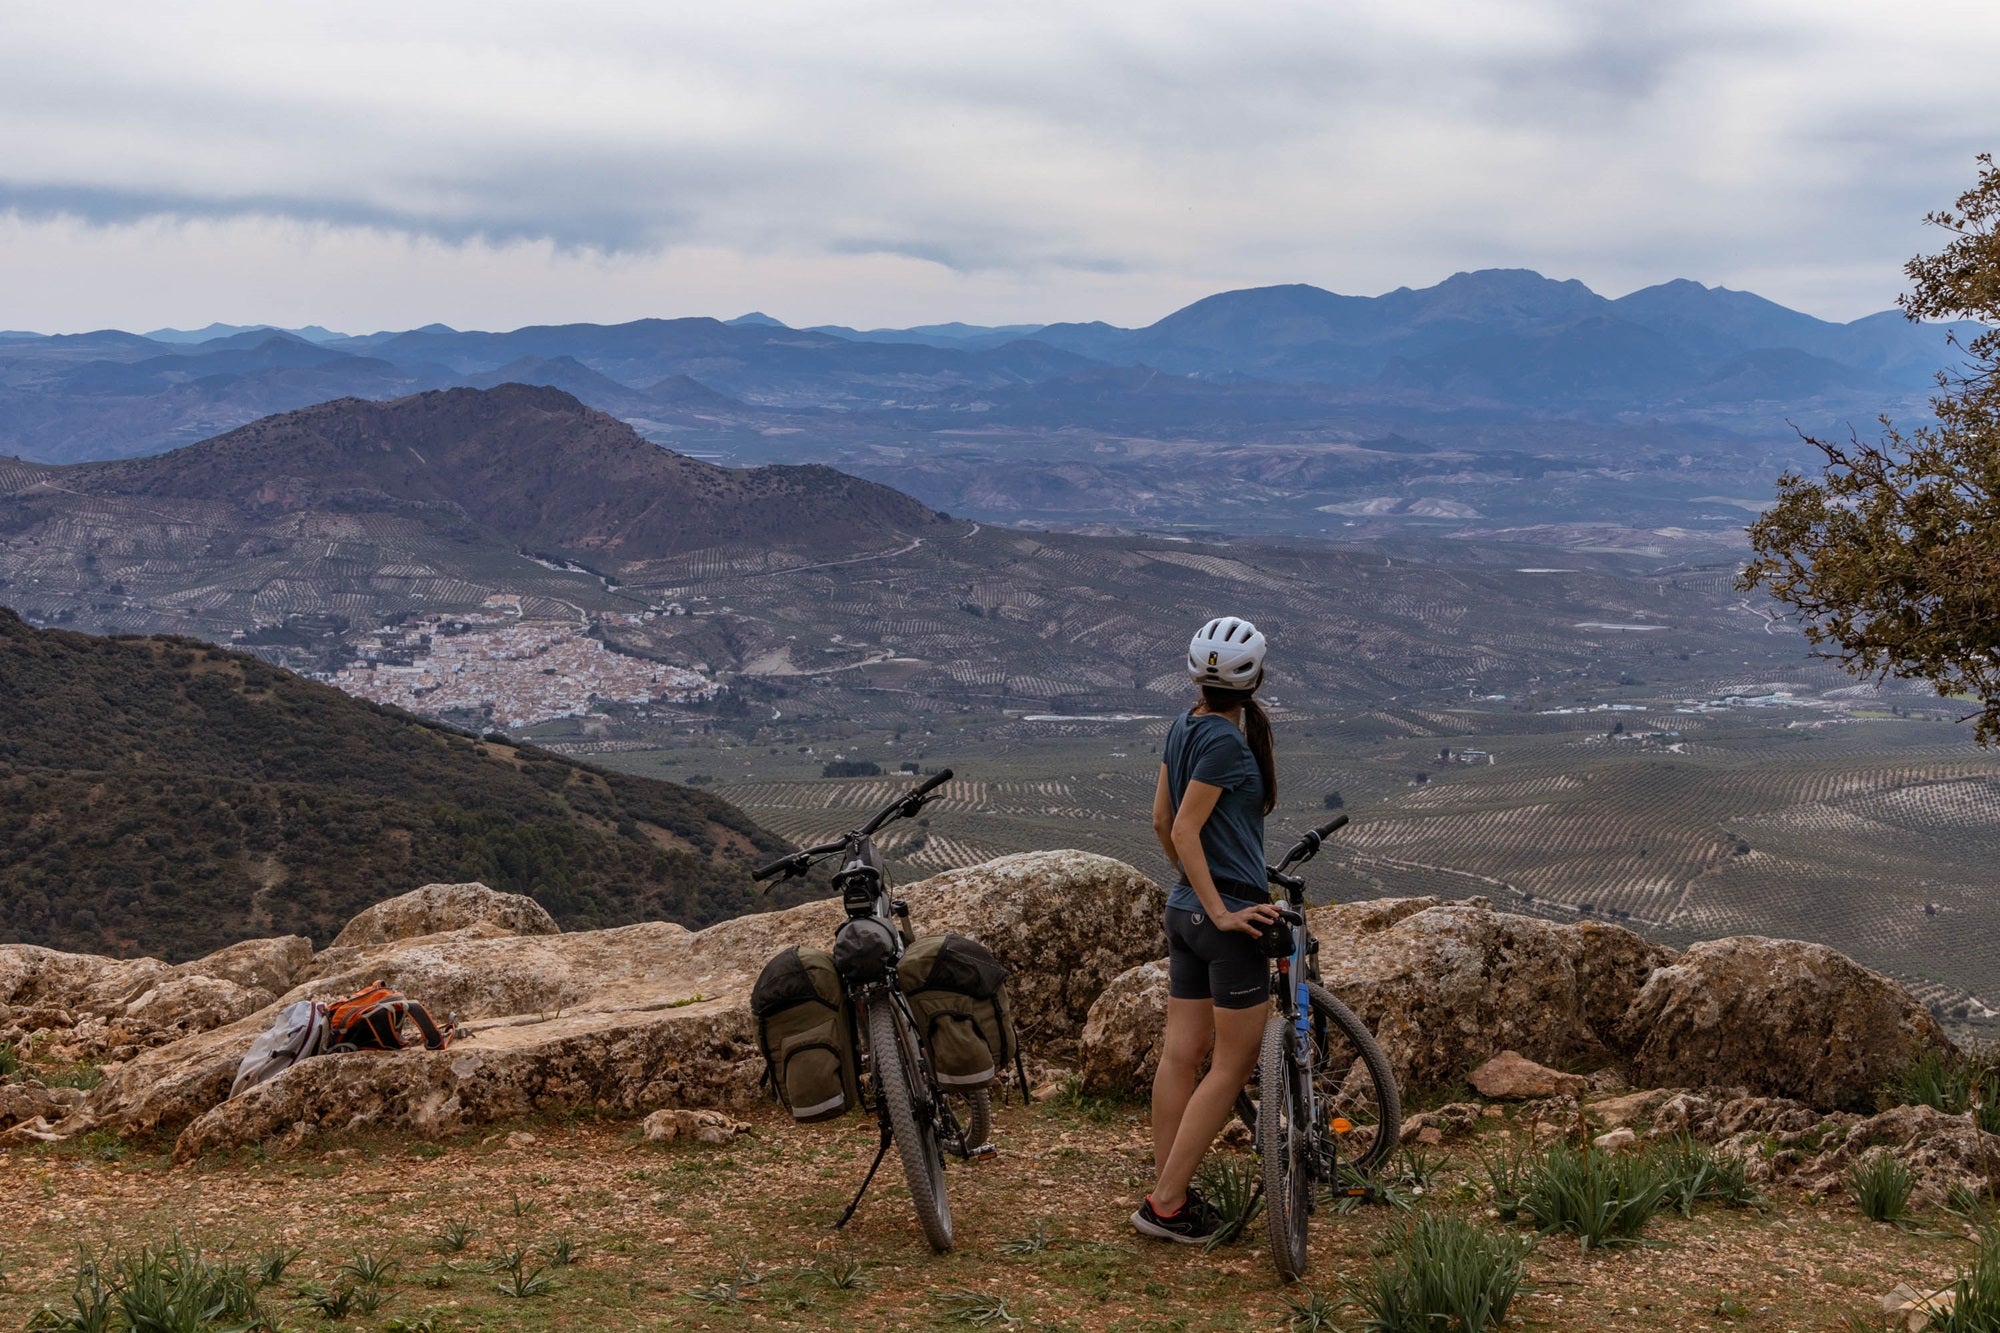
<point x="1256" y="730"/>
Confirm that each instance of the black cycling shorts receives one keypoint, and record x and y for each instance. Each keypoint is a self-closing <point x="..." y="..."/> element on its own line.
<point x="1205" y="962"/>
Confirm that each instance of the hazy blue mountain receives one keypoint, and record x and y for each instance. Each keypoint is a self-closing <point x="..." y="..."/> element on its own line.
<point x="311" y="333"/>
<point x="968" y="336"/>
<point x="1503" y="345"/>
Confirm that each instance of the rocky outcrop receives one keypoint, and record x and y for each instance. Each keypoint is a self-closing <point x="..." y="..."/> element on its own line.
<point x="1121" y="1036"/>
<point x="1775" y="1017"/>
<point x="631" y="1019"/>
<point x="1444" y="986"/>
<point x="1511" y="1076"/>
<point x="437" y="908"/>
<point x="1780" y="1139"/>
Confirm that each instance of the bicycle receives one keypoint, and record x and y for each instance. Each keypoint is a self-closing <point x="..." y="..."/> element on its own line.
<point x="1328" y="1112"/>
<point x="913" y="1111"/>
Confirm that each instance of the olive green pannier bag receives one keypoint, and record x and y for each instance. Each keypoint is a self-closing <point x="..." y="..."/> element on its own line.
<point x="805" y="1028"/>
<point x="958" y="992"/>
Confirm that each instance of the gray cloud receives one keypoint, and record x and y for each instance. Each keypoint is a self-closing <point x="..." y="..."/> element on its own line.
<point x="873" y="161"/>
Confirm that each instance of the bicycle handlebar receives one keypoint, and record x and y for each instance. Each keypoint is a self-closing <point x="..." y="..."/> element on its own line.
<point x="1306" y="848"/>
<point x="911" y="801"/>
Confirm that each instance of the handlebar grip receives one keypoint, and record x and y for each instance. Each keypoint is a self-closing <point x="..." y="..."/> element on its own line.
<point x="935" y="781"/>
<point x="776" y="868"/>
<point x="1333" y="825"/>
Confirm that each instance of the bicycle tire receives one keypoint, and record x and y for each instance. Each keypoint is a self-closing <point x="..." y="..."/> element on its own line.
<point x="891" y="1053"/>
<point x="1284" y="1150"/>
<point x="978" y="1122"/>
<point x="1374" y="1107"/>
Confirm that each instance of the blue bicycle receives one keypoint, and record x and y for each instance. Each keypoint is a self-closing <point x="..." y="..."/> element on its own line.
<point x="1327" y="1111"/>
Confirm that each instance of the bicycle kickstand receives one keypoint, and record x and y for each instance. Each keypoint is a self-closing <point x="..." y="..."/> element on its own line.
<point x="887" y="1138"/>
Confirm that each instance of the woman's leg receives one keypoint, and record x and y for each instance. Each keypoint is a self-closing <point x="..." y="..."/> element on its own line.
<point x="1239" y="1037"/>
<point x="1184" y="1046"/>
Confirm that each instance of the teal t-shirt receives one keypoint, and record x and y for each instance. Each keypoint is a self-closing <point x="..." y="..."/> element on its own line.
<point x="1210" y="749"/>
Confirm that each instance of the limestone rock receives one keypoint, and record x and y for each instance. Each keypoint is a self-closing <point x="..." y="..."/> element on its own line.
<point x="1776" y="1017"/>
<point x="1616" y="1140"/>
<point x="1436" y="1126"/>
<point x="437" y="908"/>
<point x="1122" y="1034"/>
<point x="630" y="1019"/>
<point x="30" y="1101"/>
<point x="1628" y="1108"/>
<point x="1511" y="1076"/>
<point x="711" y="1127"/>
<point x="273" y="965"/>
<point x="195" y="1003"/>
<point x="1448" y="987"/>
<point x="1444" y="986"/>
<point x="32" y="977"/>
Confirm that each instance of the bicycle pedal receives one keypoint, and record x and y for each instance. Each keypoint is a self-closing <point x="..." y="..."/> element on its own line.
<point x="985" y="1152"/>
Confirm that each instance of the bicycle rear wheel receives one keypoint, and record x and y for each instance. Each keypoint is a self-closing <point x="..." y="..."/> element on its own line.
<point x="1284" y="1149"/>
<point x="1354" y="1082"/>
<point x="977" y="1121"/>
<point x="892" y="1050"/>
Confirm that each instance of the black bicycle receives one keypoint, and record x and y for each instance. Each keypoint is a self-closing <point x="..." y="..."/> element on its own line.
<point x="914" y="1112"/>
<point x="1327" y="1111"/>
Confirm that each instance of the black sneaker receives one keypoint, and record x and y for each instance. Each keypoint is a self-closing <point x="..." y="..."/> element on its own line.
<point x="1194" y="1224"/>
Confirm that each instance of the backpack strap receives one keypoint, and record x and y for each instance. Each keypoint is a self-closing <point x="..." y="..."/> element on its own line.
<point x="435" y="1038"/>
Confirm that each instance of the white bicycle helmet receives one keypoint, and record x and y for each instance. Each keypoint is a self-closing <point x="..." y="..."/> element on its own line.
<point x="1228" y="652"/>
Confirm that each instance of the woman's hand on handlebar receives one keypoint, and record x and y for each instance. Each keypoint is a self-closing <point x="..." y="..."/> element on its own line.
<point x="1249" y="920"/>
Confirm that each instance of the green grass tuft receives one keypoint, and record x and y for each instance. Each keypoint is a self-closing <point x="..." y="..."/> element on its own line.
<point x="1882" y="1186"/>
<point x="1603" y="1198"/>
<point x="1442" y="1275"/>
<point x="1233" y="1187"/>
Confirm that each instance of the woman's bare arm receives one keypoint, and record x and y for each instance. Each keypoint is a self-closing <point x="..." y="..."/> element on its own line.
<point x="1163" y="818"/>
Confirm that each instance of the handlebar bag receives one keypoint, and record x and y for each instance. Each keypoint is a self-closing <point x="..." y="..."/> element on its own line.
<point x="958" y="992"/>
<point x="805" y="1029"/>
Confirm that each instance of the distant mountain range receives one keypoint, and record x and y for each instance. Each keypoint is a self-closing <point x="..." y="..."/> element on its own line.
<point x="1497" y="346"/>
<point x="291" y="530"/>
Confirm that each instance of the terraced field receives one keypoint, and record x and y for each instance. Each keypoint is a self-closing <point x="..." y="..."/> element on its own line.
<point x="1876" y="836"/>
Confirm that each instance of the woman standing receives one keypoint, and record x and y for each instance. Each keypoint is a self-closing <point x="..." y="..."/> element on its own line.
<point x="1218" y="779"/>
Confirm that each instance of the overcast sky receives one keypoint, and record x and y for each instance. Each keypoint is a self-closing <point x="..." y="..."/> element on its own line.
<point x="369" y="166"/>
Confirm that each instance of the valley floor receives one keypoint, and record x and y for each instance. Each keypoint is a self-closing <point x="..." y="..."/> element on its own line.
<point x="690" y="1237"/>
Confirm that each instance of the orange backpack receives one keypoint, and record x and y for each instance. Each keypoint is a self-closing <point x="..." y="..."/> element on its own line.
<point x="371" y="1019"/>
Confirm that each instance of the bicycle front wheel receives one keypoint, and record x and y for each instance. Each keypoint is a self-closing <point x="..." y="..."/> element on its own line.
<point x="1356" y="1086"/>
<point x="892" y="1052"/>
<point x="1284" y="1147"/>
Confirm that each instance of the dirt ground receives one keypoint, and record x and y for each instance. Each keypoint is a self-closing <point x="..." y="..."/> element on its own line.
<point x="693" y="1237"/>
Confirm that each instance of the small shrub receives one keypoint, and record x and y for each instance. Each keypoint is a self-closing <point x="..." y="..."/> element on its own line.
<point x="978" y="1309"/>
<point x="10" y="1060"/>
<point x="1882" y="1186"/>
<point x="850" y="1275"/>
<point x="521" y="1283"/>
<point x="1507" y="1176"/>
<point x="90" y="1304"/>
<point x="1975" y="1295"/>
<point x="1071" y="1097"/>
<point x="1604" y="1198"/>
<point x="1233" y="1188"/>
<point x="454" y="1238"/>
<point x="1035" y="1242"/>
<point x="336" y="1302"/>
<point x="1310" y="1312"/>
<point x="1442" y="1273"/>
<point x="1973" y="1208"/>
<point x="370" y="1270"/>
<point x="274" y="1260"/>
<point x="1691" y="1172"/>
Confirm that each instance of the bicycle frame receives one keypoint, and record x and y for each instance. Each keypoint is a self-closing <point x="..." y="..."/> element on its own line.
<point x="1294" y="970"/>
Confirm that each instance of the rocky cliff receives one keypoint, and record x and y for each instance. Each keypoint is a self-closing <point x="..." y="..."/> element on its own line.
<point x="1756" y="1036"/>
